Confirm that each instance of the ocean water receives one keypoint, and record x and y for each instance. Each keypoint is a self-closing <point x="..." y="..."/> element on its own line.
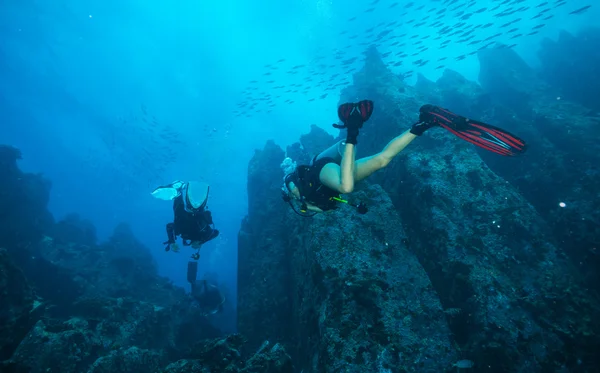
<point x="110" y="99"/>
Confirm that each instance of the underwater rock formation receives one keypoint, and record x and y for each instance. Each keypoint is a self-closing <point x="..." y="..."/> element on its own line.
<point x="263" y="298"/>
<point x="71" y="305"/>
<point x="75" y="230"/>
<point x="512" y="299"/>
<point x="363" y="303"/>
<point x="564" y="152"/>
<point x="18" y="306"/>
<point x="571" y="65"/>
<point x="334" y="286"/>
<point x="23" y="200"/>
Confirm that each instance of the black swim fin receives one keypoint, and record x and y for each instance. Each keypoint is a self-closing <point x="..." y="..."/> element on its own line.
<point x="478" y="133"/>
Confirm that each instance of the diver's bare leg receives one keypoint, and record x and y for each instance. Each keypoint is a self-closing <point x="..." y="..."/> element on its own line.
<point x="335" y="151"/>
<point x="367" y="166"/>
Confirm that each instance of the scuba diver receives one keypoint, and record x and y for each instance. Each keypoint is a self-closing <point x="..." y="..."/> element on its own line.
<point x="192" y="220"/>
<point x="318" y="187"/>
<point x="207" y="295"/>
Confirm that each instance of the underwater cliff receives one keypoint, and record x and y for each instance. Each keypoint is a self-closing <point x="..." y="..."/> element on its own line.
<point x="70" y="304"/>
<point x="462" y="255"/>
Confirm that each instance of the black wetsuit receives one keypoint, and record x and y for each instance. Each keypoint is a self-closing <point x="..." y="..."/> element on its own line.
<point x="311" y="188"/>
<point x="191" y="226"/>
<point x="208" y="296"/>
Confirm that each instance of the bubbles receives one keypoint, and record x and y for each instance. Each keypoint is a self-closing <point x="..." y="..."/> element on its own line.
<point x="288" y="165"/>
<point x="562" y="204"/>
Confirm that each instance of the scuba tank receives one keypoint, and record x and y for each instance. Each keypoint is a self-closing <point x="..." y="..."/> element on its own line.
<point x="192" y="272"/>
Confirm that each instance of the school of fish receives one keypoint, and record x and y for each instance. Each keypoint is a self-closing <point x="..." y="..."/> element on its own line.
<point x="402" y="42"/>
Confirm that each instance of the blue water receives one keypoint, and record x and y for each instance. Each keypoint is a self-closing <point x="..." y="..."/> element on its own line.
<point x="81" y="83"/>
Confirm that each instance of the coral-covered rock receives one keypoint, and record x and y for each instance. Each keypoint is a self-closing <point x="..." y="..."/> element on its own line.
<point x="264" y="302"/>
<point x="133" y="359"/>
<point x="563" y="147"/>
<point x="18" y="306"/>
<point x="223" y="355"/>
<point x="363" y="303"/>
<point x="74" y="229"/>
<point x="186" y="366"/>
<point x="482" y="241"/>
<point x="23" y="201"/>
<point x="68" y="347"/>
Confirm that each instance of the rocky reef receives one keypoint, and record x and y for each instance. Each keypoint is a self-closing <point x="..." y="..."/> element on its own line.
<point x="70" y="304"/>
<point x="463" y="254"/>
<point x="570" y="64"/>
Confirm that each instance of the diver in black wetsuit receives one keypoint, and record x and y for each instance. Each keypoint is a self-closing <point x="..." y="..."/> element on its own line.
<point x="207" y="295"/>
<point x="192" y="220"/>
<point x="318" y="187"/>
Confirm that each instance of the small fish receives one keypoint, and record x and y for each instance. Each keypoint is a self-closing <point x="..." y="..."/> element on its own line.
<point x="581" y="10"/>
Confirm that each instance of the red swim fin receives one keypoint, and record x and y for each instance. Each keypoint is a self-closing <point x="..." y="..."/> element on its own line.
<point x="488" y="137"/>
<point x="344" y="111"/>
<point x="478" y="133"/>
<point x="365" y="108"/>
